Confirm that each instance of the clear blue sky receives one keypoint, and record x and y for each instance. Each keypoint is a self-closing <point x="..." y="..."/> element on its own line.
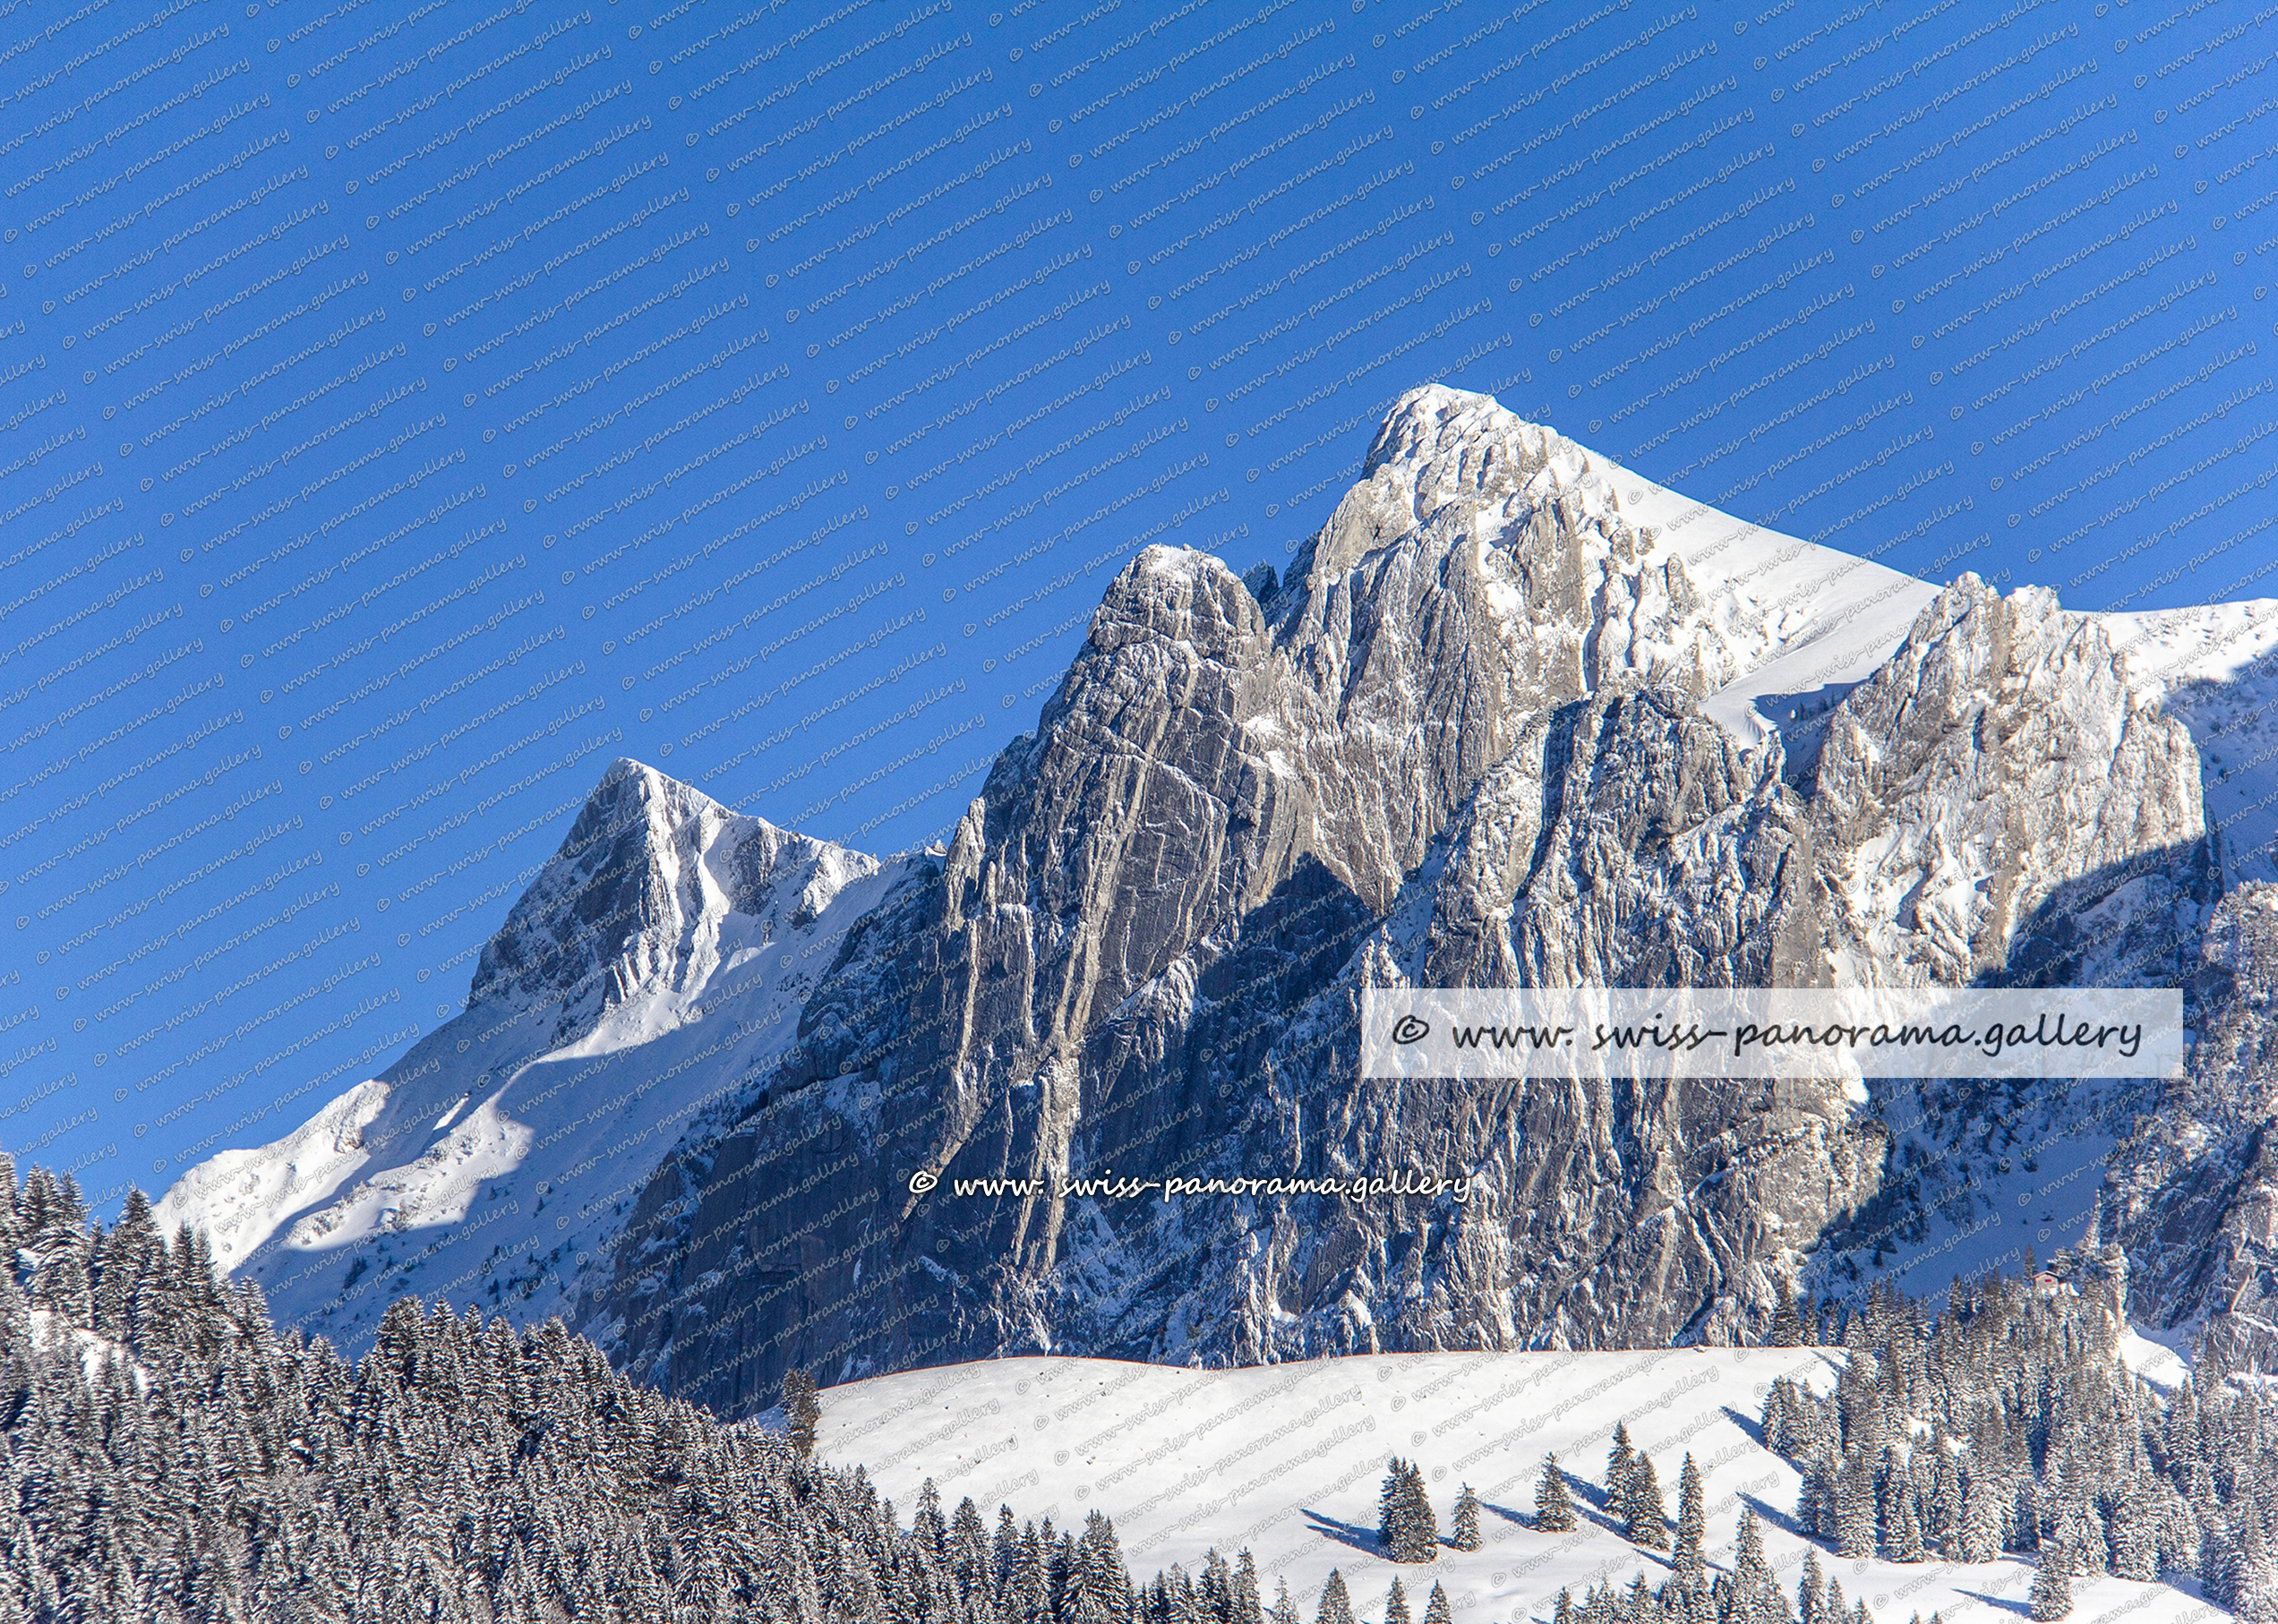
<point x="406" y="409"/>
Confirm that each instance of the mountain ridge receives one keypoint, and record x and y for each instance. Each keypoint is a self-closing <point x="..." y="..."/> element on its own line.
<point x="1512" y="711"/>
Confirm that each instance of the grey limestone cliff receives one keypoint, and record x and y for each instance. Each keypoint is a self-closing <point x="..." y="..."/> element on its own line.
<point x="1461" y="743"/>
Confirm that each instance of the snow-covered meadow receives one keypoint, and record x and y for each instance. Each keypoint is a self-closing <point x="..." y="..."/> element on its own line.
<point x="1287" y="1461"/>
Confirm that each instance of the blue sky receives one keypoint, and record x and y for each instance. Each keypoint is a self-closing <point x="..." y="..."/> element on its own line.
<point x="406" y="409"/>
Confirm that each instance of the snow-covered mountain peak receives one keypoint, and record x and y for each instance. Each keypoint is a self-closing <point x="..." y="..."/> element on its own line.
<point x="659" y="958"/>
<point x="654" y="889"/>
<point x="1515" y="715"/>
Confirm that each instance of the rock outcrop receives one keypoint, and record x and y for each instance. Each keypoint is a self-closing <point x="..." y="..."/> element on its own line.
<point x="1461" y="743"/>
<point x="858" y="1117"/>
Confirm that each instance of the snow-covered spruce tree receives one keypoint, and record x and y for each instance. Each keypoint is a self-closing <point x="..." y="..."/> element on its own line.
<point x="1099" y="1589"/>
<point x="1644" y="1513"/>
<point x="1396" y="1604"/>
<point x="1553" y="1508"/>
<point x="1788" y="1318"/>
<point x="1692" y="1524"/>
<point x="2051" y="1596"/>
<point x="801" y="1409"/>
<point x="1435" y="1610"/>
<point x="1408" y="1531"/>
<point x="1811" y="1590"/>
<point x="1618" y="1461"/>
<point x="1283" y="1612"/>
<point x="1978" y="1539"/>
<point x="1854" y="1509"/>
<point x="1390" y="1499"/>
<point x="1463" y="1533"/>
<point x="1336" y="1604"/>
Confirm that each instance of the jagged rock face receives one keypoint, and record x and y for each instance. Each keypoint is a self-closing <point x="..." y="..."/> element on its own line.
<point x="635" y="899"/>
<point x="2192" y="1195"/>
<point x="1460" y="744"/>
<point x="1625" y="840"/>
<point x="1998" y="801"/>
<point x="2000" y="805"/>
<point x="1220" y="798"/>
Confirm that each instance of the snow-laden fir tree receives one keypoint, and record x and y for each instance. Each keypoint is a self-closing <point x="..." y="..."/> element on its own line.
<point x="2051" y="1596"/>
<point x="1644" y="1513"/>
<point x="1553" y="1508"/>
<point x="1283" y="1612"/>
<point x="1463" y="1533"/>
<point x="1336" y="1605"/>
<point x="1390" y="1500"/>
<point x="1618" y="1460"/>
<point x="801" y="1410"/>
<point x="1905" y="1535"/>
<point x="1756" y="1597"/>
<point x="1396" y="1604"/>
<point x="1406" y="1528"/>
<point x="1983" y="1494"/>
<point x="1435" y="1609"/>
<point x="1692" y="1524"/>
<point x="1854" y="1509"/>
<point x="1787" y="1317"/>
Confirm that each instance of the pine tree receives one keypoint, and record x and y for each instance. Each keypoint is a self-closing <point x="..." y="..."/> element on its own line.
<point x="1553" y="1510"/>
<point x="1421" y="1524"/>
<point x="1099" y="1587"/>
<point x="1243" y="1606"/>
<point x="1905" y="1537"/>
<point x="2051" y="1596"/>
<point x="2133" y="1531"/>
<point x="1465" y="1534"/>
<point x="1818" y="1496"/>
<point x="1811" y="1590"/>
<point x="1435" y="1609"/>
<point x="1391" y="1499"/>
<point x="1692" y="1524"/>
<point x="1618" y="1460"/>
<point x="927" y="1528"/>
<point x="1336" y="1606"/>
<point x="1854" y="1510"/>
<point x="1644" y="1513"/>
<point x="1979" y="1537"/>
<point x="1788" y="1318"/>
<point x="801" y="1409"/>
<point x="1285" y="1611"/>
<point x="1406" y="1530"/>
<point x="1396" y="1604"/>
<point x="1755" y="1595"/>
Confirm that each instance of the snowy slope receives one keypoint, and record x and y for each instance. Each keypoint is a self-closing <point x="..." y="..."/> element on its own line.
<point x="659" y="959"/>
<point x="1287" y="1460"/>
<point x="1828" y="617"/>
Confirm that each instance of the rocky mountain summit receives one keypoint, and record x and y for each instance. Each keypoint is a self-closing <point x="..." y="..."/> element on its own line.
<point x="1512" y="717"/>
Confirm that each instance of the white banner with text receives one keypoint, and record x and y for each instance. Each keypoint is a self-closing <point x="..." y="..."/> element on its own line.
<point x="1799" y="1033"/>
